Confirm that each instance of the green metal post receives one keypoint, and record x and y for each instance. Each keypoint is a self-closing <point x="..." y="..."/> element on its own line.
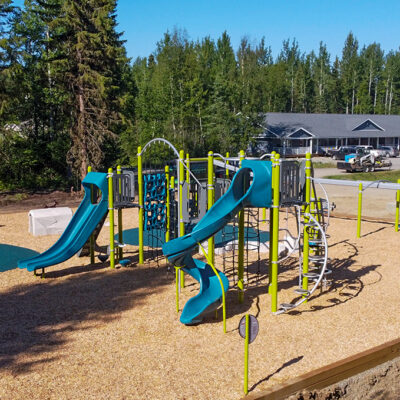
<point x="396" y="227"/>
<point x="306" y="232"/>
<point x="210" y="198"/>
<point x="226" y="169"/>
<point x="111" y="216"/>
<point x="168" y="211"/>
<point x="141" y="204"/>
<point x="120" y="237"/>
<point x="211" y="264"/>
<point x="177" y="287"/>
<point x="275" y="233"/>
<point x="246" y="357"/>
<point x="360" y="191"/>
<point x="271" y="218"/>
<point x="91" y="236"/>
<point x="240" y="283"/>
<point x="181" y="223"/>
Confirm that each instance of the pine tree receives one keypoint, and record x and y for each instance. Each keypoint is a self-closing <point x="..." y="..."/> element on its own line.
<point x="322" y="75"/>
<point x="350" y="72"/>
<point x="89" y="64"/>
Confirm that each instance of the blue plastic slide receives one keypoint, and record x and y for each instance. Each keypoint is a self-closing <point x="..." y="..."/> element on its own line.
<point x="250" y="187"/>
<point x="78" y="231"/>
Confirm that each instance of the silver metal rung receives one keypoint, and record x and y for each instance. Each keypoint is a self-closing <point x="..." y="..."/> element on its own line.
<point x="316" y="258"/>
<point x="287" y="306"/>
<point x="302" y="291"/>
<point x="118" y="244"/>
<point x="311" y="275"/>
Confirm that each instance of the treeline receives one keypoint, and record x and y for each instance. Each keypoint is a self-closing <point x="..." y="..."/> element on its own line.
<point x="69" y="97"/>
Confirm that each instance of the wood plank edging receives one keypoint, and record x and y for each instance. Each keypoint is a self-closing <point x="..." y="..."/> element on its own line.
<point x="332" y="373"/>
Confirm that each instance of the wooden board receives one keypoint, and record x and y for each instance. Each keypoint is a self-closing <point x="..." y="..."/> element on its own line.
<point x="333" y="373"/>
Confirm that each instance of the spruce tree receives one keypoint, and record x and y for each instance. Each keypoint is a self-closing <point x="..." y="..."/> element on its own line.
<point x="89" y="64"/>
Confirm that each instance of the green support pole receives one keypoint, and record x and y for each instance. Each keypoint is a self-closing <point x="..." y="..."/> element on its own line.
<point x="111" y="216"/>
<point x="210" y="199"/>
<point x="246" y="358"/>
<point x="396" y="227"/>
<point x="275" y="233"/>
<point x="120" y="237"/>
<point x="360" y="191"/>
<point x="306" y="232"/>
<point x="177" y="287"/>
<point x="211" y="264"/>
<point x="226" y="169"/>
<point x="91" y="236"/>
<point x="240" y="283"/>
<point x="140" y="195"/>
<point x="181" y="223"/>
<point x="271" y="218"/>
<point x="168" y="211"/>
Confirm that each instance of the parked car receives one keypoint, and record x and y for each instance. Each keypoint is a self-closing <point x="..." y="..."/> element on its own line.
<point x="341" y="152"/>
<point x="390" y="151"/>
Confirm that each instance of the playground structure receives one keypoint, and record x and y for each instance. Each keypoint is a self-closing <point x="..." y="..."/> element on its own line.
<point x="181" y="209"/>
<point x="173" y="199"/>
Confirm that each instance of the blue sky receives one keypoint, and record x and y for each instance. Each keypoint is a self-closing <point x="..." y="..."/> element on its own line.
<point x="309" y="21"/>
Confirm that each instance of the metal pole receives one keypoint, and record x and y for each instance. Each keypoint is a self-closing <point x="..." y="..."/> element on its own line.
<point x="246" y="357"/>
<point x="360" y="191"/>
<point x="111" y="216"/>
<point x="396" y="227"/>
<point x="210" y="198"/>
<point x="227" y="163"/>
<point x="181" y="223"/>
<point x="91" y="236"/>
<point x="240" y="283"/>
<point x="168" y="211"/>
<point x="141" y="204"/>
<point x="271" y="218"/>
<point x="275" y="234"/>
<point x="120" y="238"/>
<point x="306" y="228"/>
<point x="188" y="174"/>
<point x="177" y="287"/>
<point x="221" y="284"/>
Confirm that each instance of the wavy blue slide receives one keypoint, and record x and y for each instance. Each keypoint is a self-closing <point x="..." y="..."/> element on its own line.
<point x="250" y="187"/>
<point x="78" y="231"/>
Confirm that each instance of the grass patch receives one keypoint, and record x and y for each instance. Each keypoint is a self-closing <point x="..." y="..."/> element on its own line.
<point x="391" y="176"/>
<point x="319" y="164"/>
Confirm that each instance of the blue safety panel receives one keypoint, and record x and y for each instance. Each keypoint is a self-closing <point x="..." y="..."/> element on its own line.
<point x="154" y="204"/>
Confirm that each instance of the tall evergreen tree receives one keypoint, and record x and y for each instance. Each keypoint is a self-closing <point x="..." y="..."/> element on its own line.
<point x="350" y="72"/>
<point x="90" y="61"/>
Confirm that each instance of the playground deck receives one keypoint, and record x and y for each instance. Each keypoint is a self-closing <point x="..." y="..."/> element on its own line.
<point x="95" y="333"/>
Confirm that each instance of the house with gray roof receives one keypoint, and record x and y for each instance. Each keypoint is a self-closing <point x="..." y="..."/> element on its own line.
<point x="292" y="133"/>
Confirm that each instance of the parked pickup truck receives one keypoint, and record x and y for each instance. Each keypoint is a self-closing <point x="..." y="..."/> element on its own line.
<point x="341" y="152"/>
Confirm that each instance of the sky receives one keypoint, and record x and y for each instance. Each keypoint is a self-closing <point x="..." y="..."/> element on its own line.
<point x="144" y="22"/>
